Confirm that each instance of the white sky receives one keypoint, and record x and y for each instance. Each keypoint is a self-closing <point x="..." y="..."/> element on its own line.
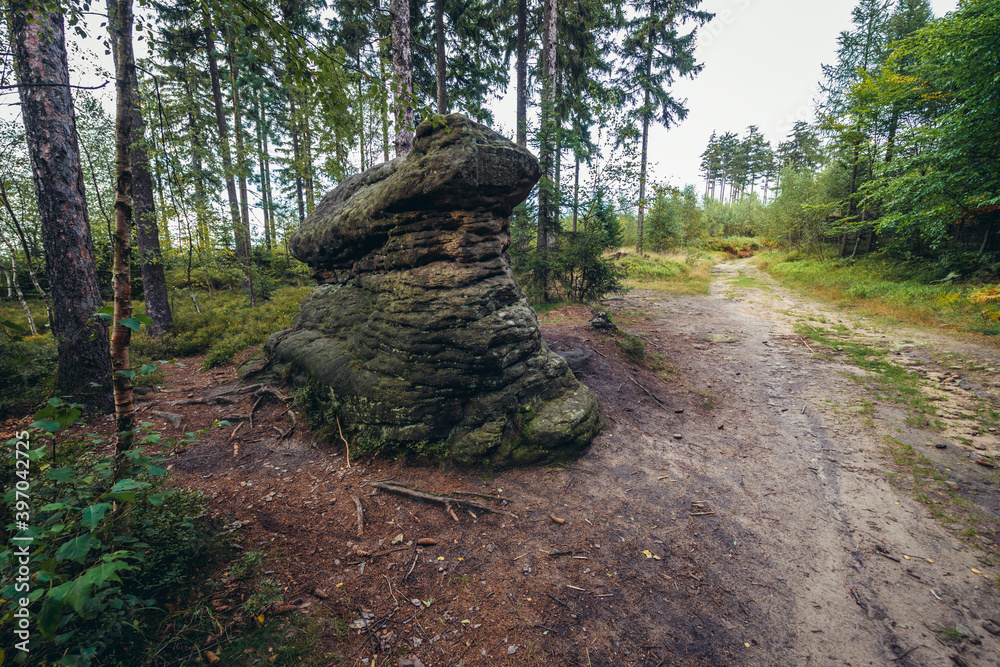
<point x="762" y="67"/>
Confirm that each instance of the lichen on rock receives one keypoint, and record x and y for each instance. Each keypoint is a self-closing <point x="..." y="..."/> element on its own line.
<point x="418" y="329"/>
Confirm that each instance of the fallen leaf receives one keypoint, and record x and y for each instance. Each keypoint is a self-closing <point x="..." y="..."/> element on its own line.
<point x="398" y="539"/>
<point x="747" y="644"/>
<point x="440" y="557"/>
<point x="211" y="658"/>
<point x="648" y="553"/>
<point x="929" y="560"/>
<point x="975" y="571"/>
<point x="906" y="557"/>
<point x="260" y="619"/>
<point x="556" y="519"/>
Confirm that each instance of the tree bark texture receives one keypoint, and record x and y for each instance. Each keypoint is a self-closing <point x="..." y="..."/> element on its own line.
<point x="121" y="335"/>
<point x="154" y="281"/>
<point x="402" y="74"/>
<point x="50" y="130"/>
<point x="522" y="72"/>
<point x="442" y="83"/>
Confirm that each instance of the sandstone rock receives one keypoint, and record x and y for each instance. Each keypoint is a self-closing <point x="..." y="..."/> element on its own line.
<point x="418" y="336"/>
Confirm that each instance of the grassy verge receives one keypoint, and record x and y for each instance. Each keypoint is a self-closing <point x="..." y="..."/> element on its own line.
<point x="682" y="272"/>
<point x="880" y="287"/>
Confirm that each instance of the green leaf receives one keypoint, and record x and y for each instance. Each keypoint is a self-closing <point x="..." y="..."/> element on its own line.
<point x="61" y="475"/>
<point x="147" y="368"/>
<point x="128" y="374"/>
<point x="51" y="507"/>
<point x="157" y="471"/>
<point x="131" y="323"/>
<point x="107" y="310"/>
<point x="123" y="497"/>
<point x="93" y="514"/>
<point x="152" y="438"/>
<point x="144" y="320"/>
<point x="128" y="485"/>
<point x="157" y="499"/>
<point x="49" y="425"/>
<point x="14" y="326"/>
<point x="49" y="617"/>
<point x="78" y="548"/>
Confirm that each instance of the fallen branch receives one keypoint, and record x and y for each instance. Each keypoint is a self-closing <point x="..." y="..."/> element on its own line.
<point x="478" y="495"/>
<point x="648" y="393"/>
<point x="444" y="500"/>
<point x="347" y="448"/>
<point x="908" y="652"/>
<point x="361" y="515"/>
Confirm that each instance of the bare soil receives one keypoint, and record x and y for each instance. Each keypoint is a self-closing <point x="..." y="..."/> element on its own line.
<point x="740" y="508"/>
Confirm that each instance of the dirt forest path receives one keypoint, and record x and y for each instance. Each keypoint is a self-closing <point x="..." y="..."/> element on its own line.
<point x="833" y="564"/>
<point x="737" y="509"/>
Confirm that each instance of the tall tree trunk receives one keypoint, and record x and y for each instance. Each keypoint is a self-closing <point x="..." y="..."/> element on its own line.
<point x="362" y="137"/>
<point x="522" y="73"/>
<point x="121" y="335"/>
<point x="642" y="183"/>
<point x="546" y="140"/>
<point x="242" y="228"/>
<point x="265" y="201"/>
<point x="50" y="130"/>
<point x="307" y="150"/>
<point x="384" y="105"/>
<point x="576" y="192"/>
<point x="442" y="84"/>
<point x="223" y="128"/>
<point x="297" y="156"/>
<point x="197" y="148"/>
<point x="402" y="74"/>
<point x="154" y="281"/>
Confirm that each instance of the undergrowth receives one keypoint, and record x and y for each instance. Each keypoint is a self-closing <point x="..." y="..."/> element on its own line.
<point x="682" y="272"/>
<point x="879" y="286"/>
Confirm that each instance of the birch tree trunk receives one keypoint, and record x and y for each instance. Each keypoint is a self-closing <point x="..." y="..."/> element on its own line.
<point x="121" y="335"/>
<point x="442" y="84"/>
<point x="50" y="130"/>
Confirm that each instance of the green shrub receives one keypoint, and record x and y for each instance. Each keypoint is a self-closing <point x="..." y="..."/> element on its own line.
<point x="104" y="552"/>
<point x="650" y="267"/>
<point x="633" y="347"/>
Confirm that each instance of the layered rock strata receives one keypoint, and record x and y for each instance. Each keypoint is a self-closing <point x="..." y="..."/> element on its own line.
<point x="418" y="336"/>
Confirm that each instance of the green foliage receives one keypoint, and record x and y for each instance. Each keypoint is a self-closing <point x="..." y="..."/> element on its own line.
<point x="225" y="326"/>
<point x="634" y="347"/>
<point x="27" y="368"/>
<point x="651" y="267"/>
<point x="580" y="268"/>
<point x="734" y="246"/>
<point x="103" y="553"/>
<point x="673" y="218"/>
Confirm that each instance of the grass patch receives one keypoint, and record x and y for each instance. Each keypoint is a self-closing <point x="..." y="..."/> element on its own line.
<point x="886" y="380"/>
<point x="684" y="272"/>
<point x="225" y="326"/>
<point x="880" y="287"/>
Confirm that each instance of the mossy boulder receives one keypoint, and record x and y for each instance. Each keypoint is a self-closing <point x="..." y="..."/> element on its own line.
<point x="418" y="332"/>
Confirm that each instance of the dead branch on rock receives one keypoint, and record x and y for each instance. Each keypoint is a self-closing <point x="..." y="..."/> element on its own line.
<point x="444" y="500"/>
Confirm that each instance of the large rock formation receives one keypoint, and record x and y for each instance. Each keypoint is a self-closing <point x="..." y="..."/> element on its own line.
<point x="418" y="329"/>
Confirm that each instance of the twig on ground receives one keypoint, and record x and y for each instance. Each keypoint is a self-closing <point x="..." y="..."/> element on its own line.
<point x="347" y="448"/>
<point x="444" y="500"/>
<point x="361" y="515"/>
<point x="649" y="393"/>
<point x="908" y="652"/>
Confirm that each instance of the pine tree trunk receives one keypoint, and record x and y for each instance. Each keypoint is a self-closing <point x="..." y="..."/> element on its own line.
<point x="576" y="193"/>
<point x="361" y="116"/>
<point x="197" y="147"/>
<point x="265" y="201"/>
<point x="121" y="335"/>
<point x="154" y="281"/>
<point x="442" y="86"/>
<point x="642" y="183"/>
<point x="223" y="128"/>
<point x="522" y="72"/>
<point x="402" y="74"/>
<point x="50" y="130"/>
<point x="545" y="223"/>
<point x="296" y="156"/>
<point x="242" y="227"/>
